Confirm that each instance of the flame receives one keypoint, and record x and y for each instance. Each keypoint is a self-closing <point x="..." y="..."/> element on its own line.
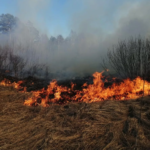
<point x="5" y="82"/>
<point x="94" y="92"/>
<point x="42" y="97"/>
<point x="16" y="85"/>
<point x="128" y="89"/>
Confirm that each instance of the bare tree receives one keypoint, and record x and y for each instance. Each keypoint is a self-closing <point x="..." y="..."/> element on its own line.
<point x="130" y="58"/>
<point x="3" y="57"/>
<point x="17" y="64"/>
<point x="46" y="72"/>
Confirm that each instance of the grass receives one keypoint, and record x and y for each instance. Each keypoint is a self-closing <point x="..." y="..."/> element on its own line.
<point x="107" y="125"/>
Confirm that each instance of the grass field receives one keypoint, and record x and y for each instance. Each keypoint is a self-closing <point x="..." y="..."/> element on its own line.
<point x="108" y="125"/>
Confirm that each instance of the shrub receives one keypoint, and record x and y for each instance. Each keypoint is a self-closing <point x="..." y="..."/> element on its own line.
<point x="130" y="58"/>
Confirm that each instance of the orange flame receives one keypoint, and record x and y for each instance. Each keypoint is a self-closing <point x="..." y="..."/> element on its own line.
<point x="43" y="96"/>
<point x="94" y="92"/>
<point x="128" y="89"/>
<point x="5" y="82"/>
<point x="16" y="85"/>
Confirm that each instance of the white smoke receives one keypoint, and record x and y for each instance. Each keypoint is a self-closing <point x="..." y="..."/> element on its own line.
<point x="97" y="25"/>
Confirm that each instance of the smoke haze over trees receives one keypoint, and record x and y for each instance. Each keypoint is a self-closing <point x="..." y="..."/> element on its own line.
<point x="92" y="33"/>
<point x="61" y="55"/>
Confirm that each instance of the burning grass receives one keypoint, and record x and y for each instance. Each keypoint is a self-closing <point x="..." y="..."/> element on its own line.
<point x="54" y="93"/>
<point x="58" y="94"/>
<point x="101" y="125"/>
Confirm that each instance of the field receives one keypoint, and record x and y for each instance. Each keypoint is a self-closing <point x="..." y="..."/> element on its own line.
<point x="104" y="125"/>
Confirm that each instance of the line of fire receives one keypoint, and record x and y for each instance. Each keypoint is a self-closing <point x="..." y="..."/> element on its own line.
<point x="100" y="89"/>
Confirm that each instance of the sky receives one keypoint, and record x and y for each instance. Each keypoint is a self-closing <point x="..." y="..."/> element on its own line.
<point x="49" y="14"/>
<point x="56" y="17"/>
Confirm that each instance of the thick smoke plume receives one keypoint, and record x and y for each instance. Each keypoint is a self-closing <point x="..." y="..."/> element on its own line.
<point x="94" y="27"/>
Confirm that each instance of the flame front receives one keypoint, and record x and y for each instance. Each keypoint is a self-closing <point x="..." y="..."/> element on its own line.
<point x="16" y="85"/>
<point x="128" y="89"/>
<point x="42" y="97"/>
<point x="94" y="92"/>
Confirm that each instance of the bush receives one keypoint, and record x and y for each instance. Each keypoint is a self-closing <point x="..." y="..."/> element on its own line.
<point x="130" y="58"/>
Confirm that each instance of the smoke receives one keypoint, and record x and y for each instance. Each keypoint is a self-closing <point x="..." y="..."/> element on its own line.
<point x="94" y="27"/>
<point x="34" y="11"/>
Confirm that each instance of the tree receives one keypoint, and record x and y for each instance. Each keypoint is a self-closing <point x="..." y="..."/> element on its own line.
<point x="17" y="63"/>
<point x="130" y="58"/>
<point x="60" y="39"/>
<point x="7" y="22"/>
<point x="32" y="30"/>
<point x="3" y="58"/>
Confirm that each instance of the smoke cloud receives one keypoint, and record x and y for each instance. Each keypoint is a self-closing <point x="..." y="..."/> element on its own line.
<point x="94" y="27"/>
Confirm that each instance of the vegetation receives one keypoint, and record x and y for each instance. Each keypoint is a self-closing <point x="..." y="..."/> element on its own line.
<point x="75" y="126"/>
<point x="18" y="38"/>
<point x="7" y="23"/>
<point x="130" y="58"/>
<point x="15" y="65"/>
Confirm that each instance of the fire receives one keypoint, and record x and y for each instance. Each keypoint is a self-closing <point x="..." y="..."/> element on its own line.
<point x="5" y="82"/>
<point x="91" y="93"/>
<point x="128" y="89"/>
<point x="42" y="97"/>
<point x="16" y="85"/>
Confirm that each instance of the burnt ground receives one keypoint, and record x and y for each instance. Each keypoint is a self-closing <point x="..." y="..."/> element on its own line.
<point x="107" y="125"/>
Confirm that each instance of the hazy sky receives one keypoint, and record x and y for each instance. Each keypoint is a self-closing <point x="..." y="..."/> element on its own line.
<point x="61" y="16"/>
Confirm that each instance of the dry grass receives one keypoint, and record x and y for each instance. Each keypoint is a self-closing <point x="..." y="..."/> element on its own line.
<point x="108" y="125"/>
